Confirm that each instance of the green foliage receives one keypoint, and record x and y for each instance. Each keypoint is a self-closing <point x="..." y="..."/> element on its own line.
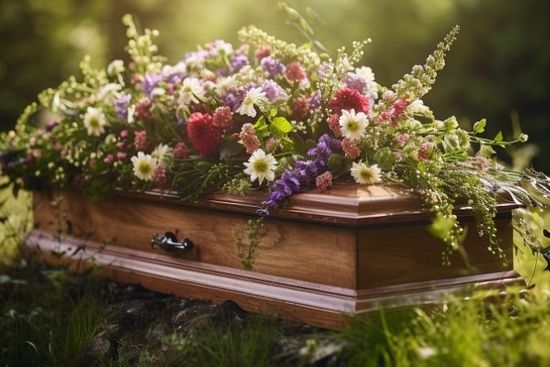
<point x="246" y="248"/>
<point x="47" y="317"/>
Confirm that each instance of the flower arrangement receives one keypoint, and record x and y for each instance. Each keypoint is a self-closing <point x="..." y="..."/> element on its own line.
<point x="265" y="114"/>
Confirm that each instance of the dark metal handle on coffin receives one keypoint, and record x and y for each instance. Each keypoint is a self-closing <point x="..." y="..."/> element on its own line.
<point x="169" y="242"/>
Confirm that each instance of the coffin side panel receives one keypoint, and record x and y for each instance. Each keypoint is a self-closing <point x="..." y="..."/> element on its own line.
<point x="407" y="254"/>
<point x="285" y="248"/>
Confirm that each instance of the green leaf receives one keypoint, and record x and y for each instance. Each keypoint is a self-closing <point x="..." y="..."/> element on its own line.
<point x="479" y="127"/>
<point x="498" y="138"/>
<point x="281" y="124"/>
<point x="385" y="158"/>
<point x="441" y="226"/>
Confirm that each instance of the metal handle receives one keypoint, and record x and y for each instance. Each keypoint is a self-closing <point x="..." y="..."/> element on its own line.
<point x="169" y="242"/>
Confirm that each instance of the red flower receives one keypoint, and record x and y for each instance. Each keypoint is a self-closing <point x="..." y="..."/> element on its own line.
<point x="348" y="99"/>
<point x="204" y="136"/>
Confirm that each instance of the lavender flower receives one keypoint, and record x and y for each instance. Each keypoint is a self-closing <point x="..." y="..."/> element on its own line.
<point x="150" y="82"/>
<point x="315" y="101"/>
<point x="272" y="66"/>
<point x="273" y="91"/>
<point x="121" y="106"/>
<point x="238" y="62"/>
<point x="302" y="175"/>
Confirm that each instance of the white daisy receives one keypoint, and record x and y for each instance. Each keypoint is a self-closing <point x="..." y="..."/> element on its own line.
<point x="191" y="91"/>
<point x="253" y="97"/>
<point x="144" y="166"/>
<point x="162" y="153"/>
<point x="95" y="121"/>
<point x="261" y="166"/>
<point x="364" y="174"/>
<point x="353" y="125"/>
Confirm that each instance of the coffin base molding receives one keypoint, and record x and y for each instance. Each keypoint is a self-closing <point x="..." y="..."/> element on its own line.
<point x="317" y="304"/>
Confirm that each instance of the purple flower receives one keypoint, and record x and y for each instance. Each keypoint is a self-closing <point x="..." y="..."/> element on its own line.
<point x="356" y="82"/>
<point x="238" y="62"/>
<point x="272" y="66"/>
<point x="315" y="101"/>
<point x="302" y="175"/>
<point x="235" y="97"/>
<point x="150" y="82"/>
<point x="121" y="106"/>
<point x="273" y="91"/>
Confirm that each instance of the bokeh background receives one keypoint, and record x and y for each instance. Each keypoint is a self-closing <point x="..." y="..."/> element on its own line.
<point x="498" y="69"/>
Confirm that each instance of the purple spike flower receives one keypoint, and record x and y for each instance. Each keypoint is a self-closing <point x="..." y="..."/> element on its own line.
<point x="273" y="91"/>
<point x="302" y="175"/>
<point x="150" y="82"/>
<point x="272" y="66"/>
<point x="238" y="62"/>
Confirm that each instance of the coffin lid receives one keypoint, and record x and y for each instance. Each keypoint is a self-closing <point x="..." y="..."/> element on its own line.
<point x="345" y="204"/>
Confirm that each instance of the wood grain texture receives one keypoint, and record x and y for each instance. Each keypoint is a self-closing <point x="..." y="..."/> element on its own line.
<point x="297" y="250"/>
<point x="397" y="255"/>
<point x="313" y="303"/>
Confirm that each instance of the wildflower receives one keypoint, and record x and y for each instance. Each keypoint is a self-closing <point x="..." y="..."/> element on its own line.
<point x="323" y="181"/>
<point x="352" y="125"/>
<point x="249" y="138"/>
<point x="109" y="159"/>
<point x="238" y="62"/>
<point x="144" y="166"/>
<point x="425" y="150"/>
<point x="272" y="67"/>
<point x="300" y="108"/>
<point x="159" y="175"/>
<point x="95" y="121"/>
<point x="191" y="91"/>
<point x="402" y="139"/>
<point x="140" y="140"/>
<point x="262" y="52"/>
<point x="121" y="106"/>
<point x="121" y="155"/>
<point x="181" y="151"/>
<point x="204" y="136"/>
<point x="143" y="109"/>
<point x="253" y="97"/>
<point x="115" y="67"/>
<point x="222" y="117"/>
<point x="350" y="148"/>
<point x="295" y="72"/>
<point x="334" y="124"/>
<point x="364" y="174"/>
<point x="273" y="91"/>
<point x="150" y="82"/>
<point x="162" y="153"/>
<point x="261" y="166"/>
<point x="348" y="99"/>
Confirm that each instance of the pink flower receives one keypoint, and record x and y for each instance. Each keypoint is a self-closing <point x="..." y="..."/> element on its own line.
<point x="181" y="151"/>
<point x="222" y="117"/>
<point x="143" y="109"/>
<point x="109" y="159"/>
<point x="140" y="140"/>
<point x="425" y="150"/>
<point x="300" y="108"/>
<point x="402" y="139"/>
<point x="121" y="155"/>
<point x="323" y="181"/>
<point x="249" y="138"/>
<point x="124" y="134"/>
<point x="350" y="148"/>
<point x="159" y="176"/>
<point x="334" y="124"/>
<point x="271" y="144"/>
<point x="263" y="51"/>
<point x="295" y="72"/>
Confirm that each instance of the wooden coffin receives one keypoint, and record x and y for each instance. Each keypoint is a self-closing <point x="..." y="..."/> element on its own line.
<point x="346" y="251"/>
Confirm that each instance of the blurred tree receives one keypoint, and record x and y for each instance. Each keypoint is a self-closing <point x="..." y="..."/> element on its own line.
<point x="499" y="64"/>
